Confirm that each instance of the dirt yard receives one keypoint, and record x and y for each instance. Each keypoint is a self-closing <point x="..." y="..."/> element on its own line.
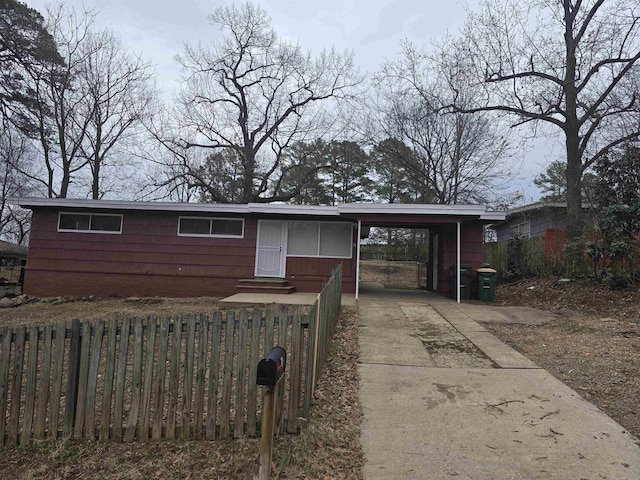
<point x="593" y="346"/>
<point x="56" y="310"/>
<point x="329" y="448"/>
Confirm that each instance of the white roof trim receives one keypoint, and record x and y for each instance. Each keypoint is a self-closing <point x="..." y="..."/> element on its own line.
<point x="287" y="209"/>
<point x="494" y="216"/>
<point x="411" y="209"/>
<point x="129" y="205"/>
<point x="478" y="211"/>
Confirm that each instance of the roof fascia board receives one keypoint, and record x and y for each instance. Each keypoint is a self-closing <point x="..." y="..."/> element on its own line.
<point x="537" y="206"/>
<point x="256" y="208"/>
<point x="286" y="209"/>
<point x="477" y="211"/>
<point x="411" y="209"/>
<point x="128" y="205"/>
<point x="494" y="216"/>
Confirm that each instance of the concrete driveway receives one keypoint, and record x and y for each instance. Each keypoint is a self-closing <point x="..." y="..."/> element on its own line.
<point x="445" y="399"/>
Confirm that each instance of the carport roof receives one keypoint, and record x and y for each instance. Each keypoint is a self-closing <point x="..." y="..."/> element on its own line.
<point x="351" y="210"/>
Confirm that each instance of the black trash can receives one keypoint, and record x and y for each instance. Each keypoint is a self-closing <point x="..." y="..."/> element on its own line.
<point x="465" y="282"/>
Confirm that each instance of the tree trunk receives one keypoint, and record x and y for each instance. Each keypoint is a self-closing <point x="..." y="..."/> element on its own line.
<point x="248" y="176"/>
<point x="575" y="222"/>
<point x="65" y="181"/>
<point x="95" y="185"/>
<point x="571" y="129"/>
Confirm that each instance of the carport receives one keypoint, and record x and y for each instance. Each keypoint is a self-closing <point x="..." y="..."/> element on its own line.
<point x="455" y="235"/>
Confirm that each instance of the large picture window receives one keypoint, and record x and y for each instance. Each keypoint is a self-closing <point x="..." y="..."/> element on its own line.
<point x="210" y="227"/>
<point x="319" y="239"/>
<point x="89" y="222"/>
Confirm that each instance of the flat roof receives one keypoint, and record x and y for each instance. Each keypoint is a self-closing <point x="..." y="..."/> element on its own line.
<point x="347" y="209"/>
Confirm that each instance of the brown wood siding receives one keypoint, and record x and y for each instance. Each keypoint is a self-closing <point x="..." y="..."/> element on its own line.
<point x="471" y="252"/>
<point x="148" y="258"/>
<point x="109" y="284"/>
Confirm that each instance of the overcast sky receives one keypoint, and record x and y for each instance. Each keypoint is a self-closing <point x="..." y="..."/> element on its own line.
<point x="373" y="29"/>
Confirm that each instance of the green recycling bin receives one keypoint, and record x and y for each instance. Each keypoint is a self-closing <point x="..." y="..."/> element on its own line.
<point x="486" y="284"/>
<point x="465" y="282"/>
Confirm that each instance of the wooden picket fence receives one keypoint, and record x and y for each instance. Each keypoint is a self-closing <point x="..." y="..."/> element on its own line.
<point x="172" y="378"/>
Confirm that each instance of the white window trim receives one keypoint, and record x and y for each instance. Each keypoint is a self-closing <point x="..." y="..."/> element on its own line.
<point x="108" y="232"/>
<point x="210" y="235"/>
<point x="318" y="245"/>
<point x="518" y="227"/>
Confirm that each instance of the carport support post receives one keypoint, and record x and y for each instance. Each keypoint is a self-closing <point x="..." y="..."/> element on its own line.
<point x="266" y="438"/>
<point x="458" y="263"/>
<point x="358" y="259"/>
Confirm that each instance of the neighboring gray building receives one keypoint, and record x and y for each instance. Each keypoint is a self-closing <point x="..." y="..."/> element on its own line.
<point x="532" y="221"/>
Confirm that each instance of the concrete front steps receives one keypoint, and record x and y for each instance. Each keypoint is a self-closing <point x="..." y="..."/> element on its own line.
<point x="264" y="285"/>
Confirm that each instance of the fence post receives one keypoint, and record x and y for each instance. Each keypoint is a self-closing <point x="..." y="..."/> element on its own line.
<point x="4" y="379"/>
<point x="266" y="438"/>
<point x="71" y="396"/>
<point x="315" y="347"/>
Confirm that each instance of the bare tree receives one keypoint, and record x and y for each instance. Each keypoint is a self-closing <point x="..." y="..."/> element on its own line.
<point x="254" y="94"/>
<point x="571" y="64"/>
<point x="89" y="108"/>
<point x="456" y="156"/>
<point x="118" y="96"/>
<point x="61" y="128"/>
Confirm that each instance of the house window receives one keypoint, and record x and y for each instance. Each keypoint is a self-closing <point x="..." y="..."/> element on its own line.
<point x="319" y="239"/>
<point x="521" y="230"/>
<point x="90" y="222"/>
<point x="210" y="227"/>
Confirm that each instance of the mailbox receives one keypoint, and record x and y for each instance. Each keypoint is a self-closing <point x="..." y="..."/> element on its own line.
<point x="271" y="368"/>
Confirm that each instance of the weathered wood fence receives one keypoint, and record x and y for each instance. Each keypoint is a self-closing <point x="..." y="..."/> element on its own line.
<point x="185" y="377"/>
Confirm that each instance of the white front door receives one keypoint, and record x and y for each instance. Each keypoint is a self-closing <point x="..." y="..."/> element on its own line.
<point x="271" y="248"/>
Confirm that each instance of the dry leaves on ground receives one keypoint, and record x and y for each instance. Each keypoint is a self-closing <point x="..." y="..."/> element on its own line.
<point x="329" y="448"/>
<point x="593" y="346"/>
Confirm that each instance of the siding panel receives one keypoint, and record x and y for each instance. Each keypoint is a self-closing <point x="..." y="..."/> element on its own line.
<point x="471" y="252"/>
<point x="147" y="259"/>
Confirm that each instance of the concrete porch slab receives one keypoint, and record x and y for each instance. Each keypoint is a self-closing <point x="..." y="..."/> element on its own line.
<point x="297" y="298"/>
